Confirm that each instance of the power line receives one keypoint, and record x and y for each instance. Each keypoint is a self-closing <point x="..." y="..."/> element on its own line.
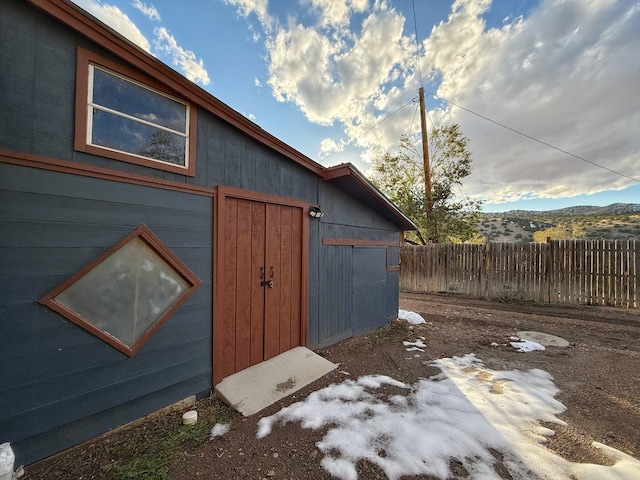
<point x="386" y="117"/>
<point x="535" y="139"/>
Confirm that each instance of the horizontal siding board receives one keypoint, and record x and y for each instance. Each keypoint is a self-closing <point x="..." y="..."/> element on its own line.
<point x="64" y="399"/>
<point x="174" y="391"/>
<point x="16" y="178"/>
<point x="341" y="209"/>
<point x="35" y="260"/>
<point x="21" y="49"/>
<point x="331" y="230"/>
<point x="60" y="438"/>
<point x="52" y="335"/>
<point x="28" y="206"/>
<point x="56" y="347"/>
<point x="64" y="234"/>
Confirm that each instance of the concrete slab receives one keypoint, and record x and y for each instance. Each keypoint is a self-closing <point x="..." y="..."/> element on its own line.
<point x="261" y="385"/>
<point x="543" y="339"/>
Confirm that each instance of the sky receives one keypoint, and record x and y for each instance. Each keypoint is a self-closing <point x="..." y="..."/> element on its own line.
<point x="465" y="412"/>
<point x="546" y="91"/>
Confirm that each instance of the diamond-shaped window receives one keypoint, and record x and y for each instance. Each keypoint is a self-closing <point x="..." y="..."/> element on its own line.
<point x="126" y="294"/>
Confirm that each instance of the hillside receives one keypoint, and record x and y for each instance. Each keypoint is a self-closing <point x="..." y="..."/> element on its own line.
<point x="619" y="221"/>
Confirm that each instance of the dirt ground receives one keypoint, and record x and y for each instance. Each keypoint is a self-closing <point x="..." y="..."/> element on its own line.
<point x="598" y="375"/>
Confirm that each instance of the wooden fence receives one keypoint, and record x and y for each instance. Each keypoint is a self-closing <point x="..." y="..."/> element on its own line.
<point x="588" y="272"/>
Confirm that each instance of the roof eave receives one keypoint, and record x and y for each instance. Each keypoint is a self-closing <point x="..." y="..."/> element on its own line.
<point x="349" y="179"/>
<point x="345" y="176"/>
<point x="87" y="25"/>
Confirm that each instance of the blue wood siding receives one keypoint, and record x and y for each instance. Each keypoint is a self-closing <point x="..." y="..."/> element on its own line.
<point x="60" y="375"/>
<point x="335" y="294"/>
<point x="369" y="288"/>
<point x="356" y="292"/>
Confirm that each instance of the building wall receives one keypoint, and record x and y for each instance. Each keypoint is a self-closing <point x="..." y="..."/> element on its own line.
<point x="356" y="292"/>
<point x="59" y="384"/>
<point x="38" y="115"/>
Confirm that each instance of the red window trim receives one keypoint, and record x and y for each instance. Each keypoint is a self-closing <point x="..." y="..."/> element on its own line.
<point x="49" y="300"/>
<point x="84" y="59"/>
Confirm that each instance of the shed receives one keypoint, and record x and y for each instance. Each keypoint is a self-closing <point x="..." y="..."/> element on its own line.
<point x="153" y="240"/>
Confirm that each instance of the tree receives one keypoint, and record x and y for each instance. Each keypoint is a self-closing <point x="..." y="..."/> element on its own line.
<point x="564" y="231"/>
<point x="163" y="146"/>
<point x="401" y="177"/>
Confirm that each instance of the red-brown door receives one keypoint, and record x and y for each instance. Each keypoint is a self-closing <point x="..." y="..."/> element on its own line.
<point x="261" y="295"/>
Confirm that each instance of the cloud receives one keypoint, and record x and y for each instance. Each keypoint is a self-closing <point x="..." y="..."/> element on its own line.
<point x="337" y="14"/>
<point x="184" y="59"/>
<point x="149" y="10"/>
<point x="116" y="19"/>
<point x="565" y="74"/>
<point x="329" y="146"/>
<point x="257" y="7"/>
<point x="335" y="75"/>
<point x="164" y="42"/>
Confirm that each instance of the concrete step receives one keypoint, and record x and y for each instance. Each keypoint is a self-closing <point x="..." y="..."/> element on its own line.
<point x="261" y="385"/>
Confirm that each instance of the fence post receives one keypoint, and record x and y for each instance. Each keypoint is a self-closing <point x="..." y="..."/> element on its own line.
<point x="485" y="273"/>
<point x="548" y="278"/>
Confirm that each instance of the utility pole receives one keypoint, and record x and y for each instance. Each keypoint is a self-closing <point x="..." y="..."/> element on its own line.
<point x="425" y="154"/>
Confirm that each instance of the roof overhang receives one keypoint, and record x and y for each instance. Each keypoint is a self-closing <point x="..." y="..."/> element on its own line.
<point x="101" y="34"/>
<point x="345" y="176"/>
<point x="350" y="180"/>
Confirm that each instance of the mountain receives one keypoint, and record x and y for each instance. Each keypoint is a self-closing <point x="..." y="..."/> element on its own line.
<point x="613" y="209"/>
<point x="619" y="221"/>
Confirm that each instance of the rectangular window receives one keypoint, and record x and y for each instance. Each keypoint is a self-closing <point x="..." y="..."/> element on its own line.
<point x="120" y="115"/>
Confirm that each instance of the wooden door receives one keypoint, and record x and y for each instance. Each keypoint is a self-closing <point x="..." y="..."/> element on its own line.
<point x="261" y="268"/>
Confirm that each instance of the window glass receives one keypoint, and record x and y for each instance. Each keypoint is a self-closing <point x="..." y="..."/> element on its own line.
<point x="116" y="93"/>
<point x="126" y="117"/>
<point x="126" y="135"/>
<point x="127" y="293"/>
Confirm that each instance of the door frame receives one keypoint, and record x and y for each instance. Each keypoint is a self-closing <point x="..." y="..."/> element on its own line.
<point x="219" y="320"/>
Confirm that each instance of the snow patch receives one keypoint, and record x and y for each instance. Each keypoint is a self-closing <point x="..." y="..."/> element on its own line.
<point x="412" y="317"/>
<point x="218" y="430"/>
<point x="526" y="346"/>
<point x="417" y="346"/>
<point x="463" y="413"/>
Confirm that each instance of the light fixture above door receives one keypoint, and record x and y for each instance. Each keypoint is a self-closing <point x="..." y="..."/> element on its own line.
<point x="315" y="212"/>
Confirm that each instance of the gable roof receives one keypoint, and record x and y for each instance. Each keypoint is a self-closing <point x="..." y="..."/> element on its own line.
<point x="346" y="177"/>
<point x="351" y="181"/>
